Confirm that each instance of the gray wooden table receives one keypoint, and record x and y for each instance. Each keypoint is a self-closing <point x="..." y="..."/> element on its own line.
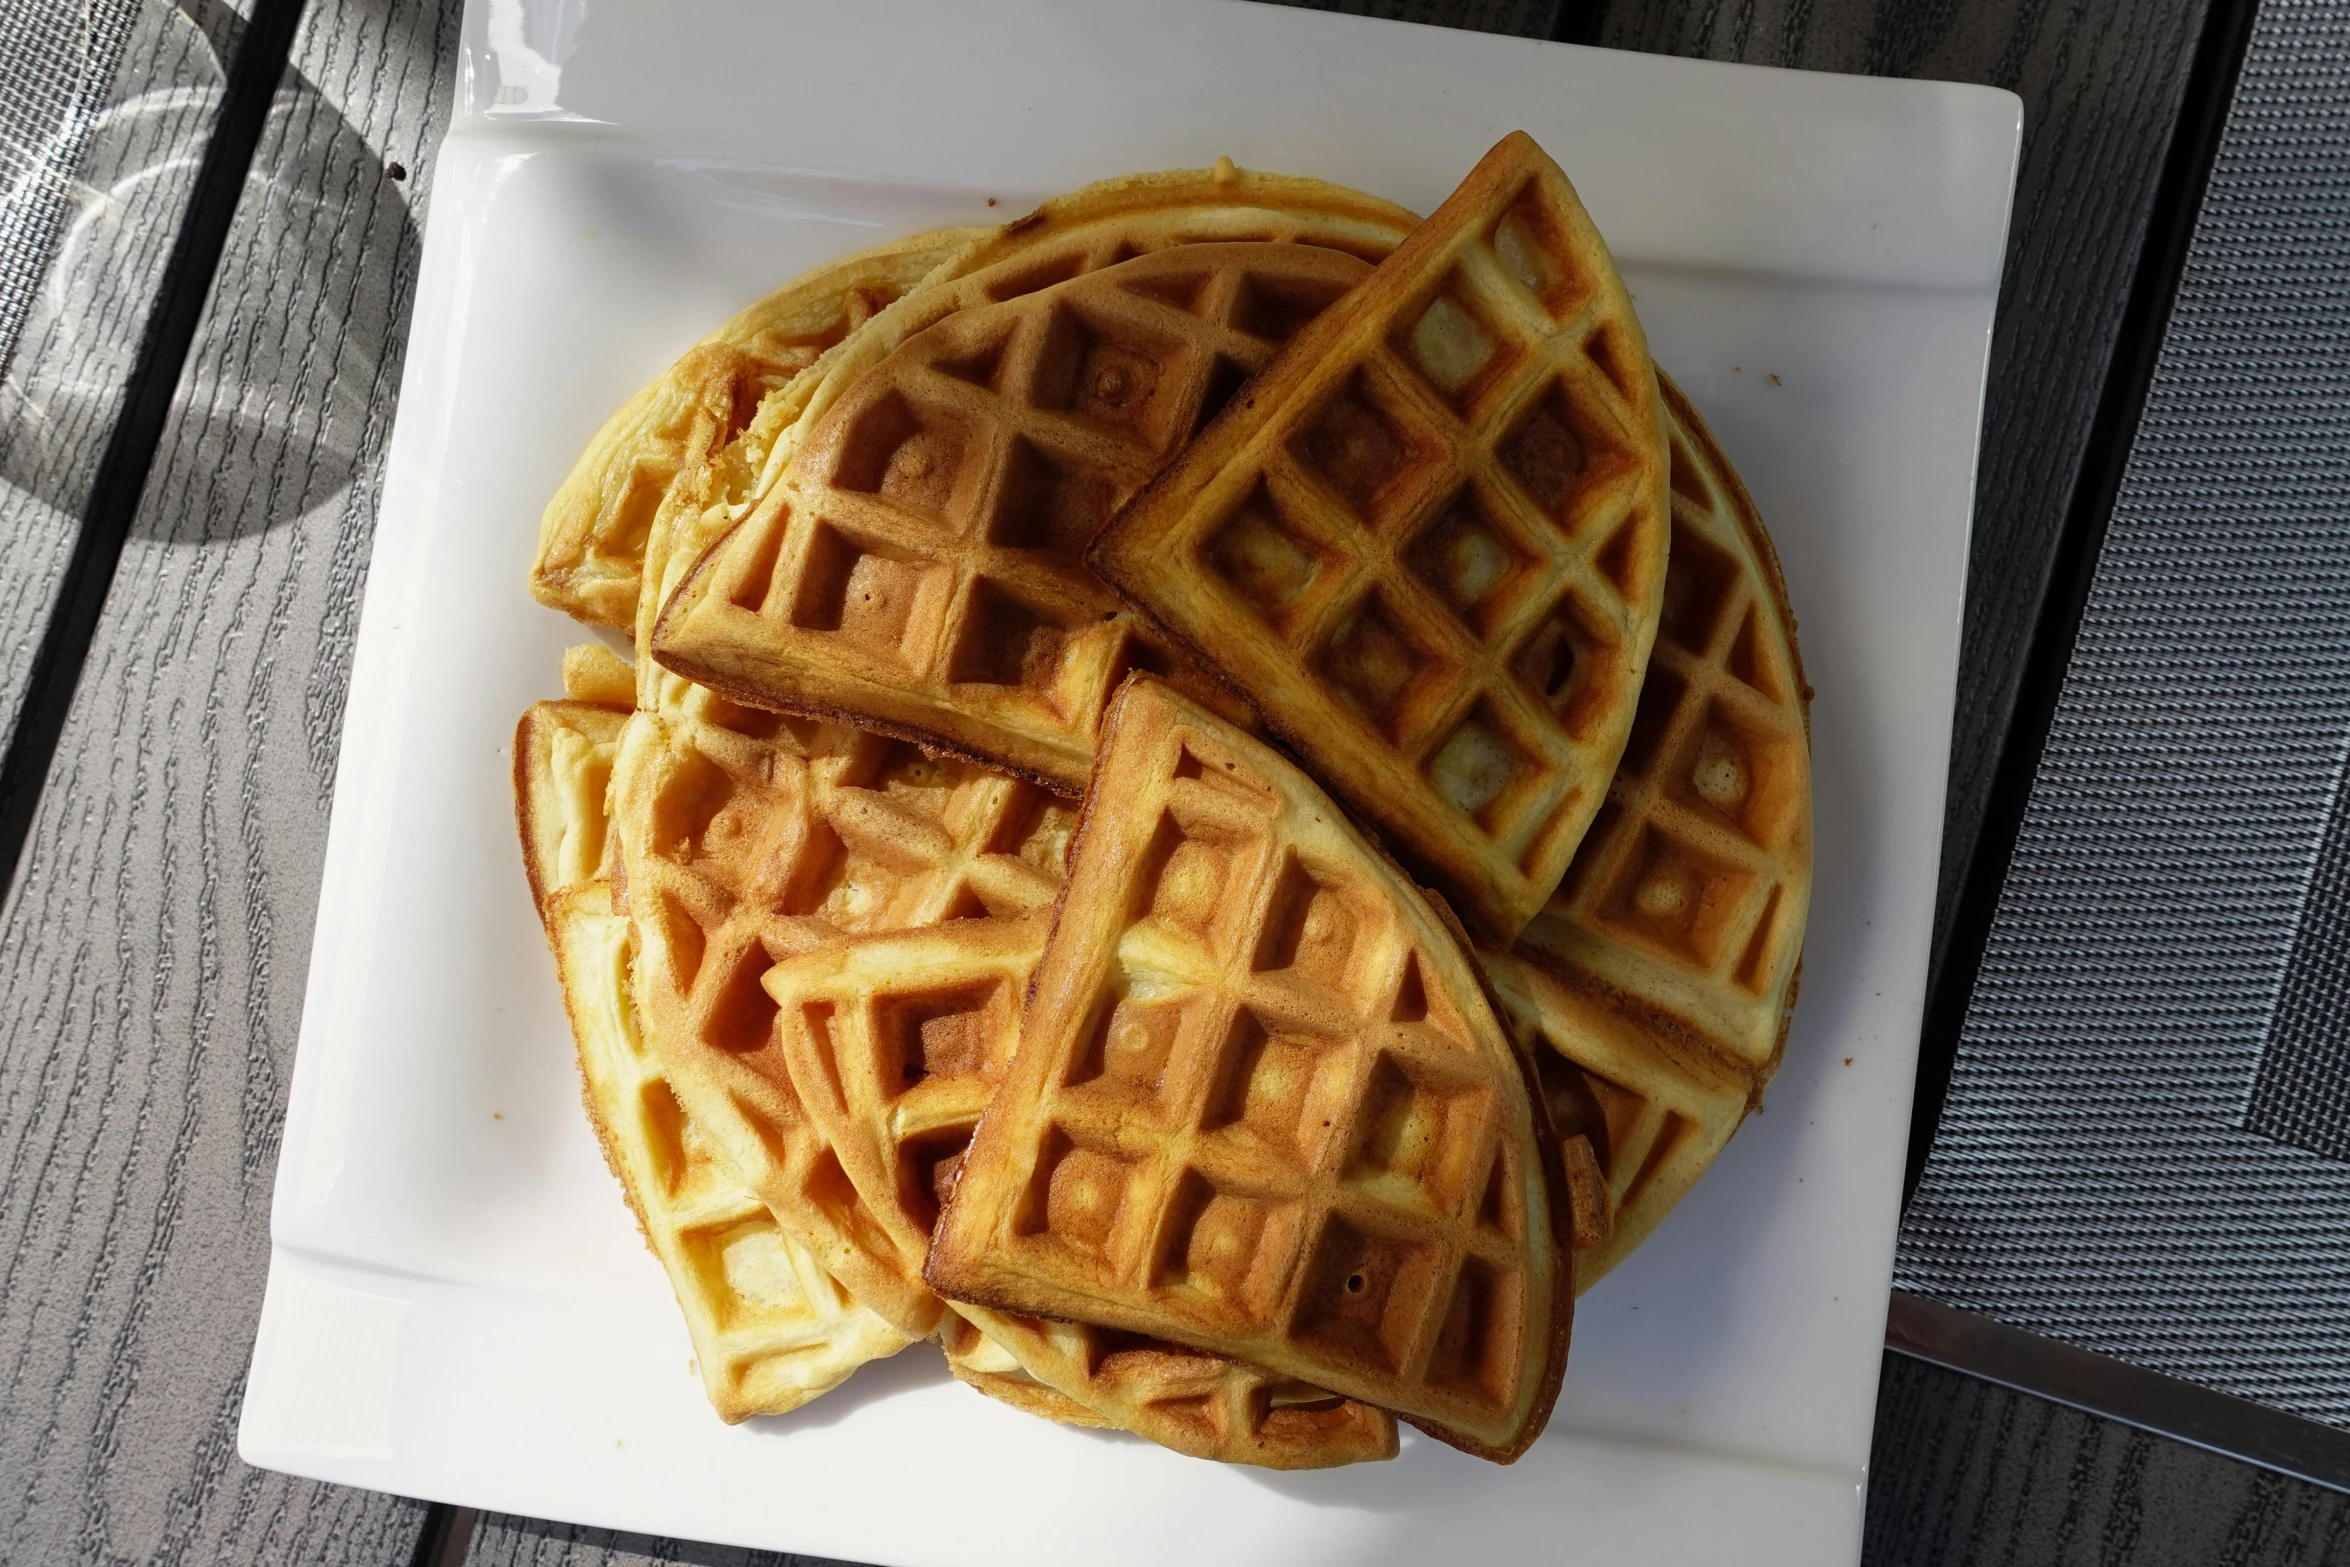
<point x="153" y="939"/>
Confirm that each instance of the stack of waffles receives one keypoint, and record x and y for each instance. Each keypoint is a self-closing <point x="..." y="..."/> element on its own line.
<point x="1209" y="808"/>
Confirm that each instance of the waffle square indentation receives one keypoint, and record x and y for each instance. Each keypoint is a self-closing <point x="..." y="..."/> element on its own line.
<point x="1365" y="1295"/>
<point x="1267" y="561"/>
<point x="1283" y="1089"/>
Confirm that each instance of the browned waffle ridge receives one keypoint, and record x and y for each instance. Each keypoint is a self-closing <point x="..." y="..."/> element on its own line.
<point x="1429" y="541"/>
<point x="1262" y="1106"/>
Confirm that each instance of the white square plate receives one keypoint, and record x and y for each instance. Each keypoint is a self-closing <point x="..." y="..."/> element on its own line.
<point x="459" y="1307"/>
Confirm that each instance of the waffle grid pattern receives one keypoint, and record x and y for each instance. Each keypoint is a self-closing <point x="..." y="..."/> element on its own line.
<point x="1446" y="541"/>
<point x="895" y="1044"/>
<point x="1265" y="1122"/>
<point x="1661" y="974"/>
<point x="657" y="452"/>
<point x="747" y="838"/>
<point x="923" y="568"/>
<point x="764" y="844"/>
<point x="1690" y="893"/>
<point x="770" y="1328"/>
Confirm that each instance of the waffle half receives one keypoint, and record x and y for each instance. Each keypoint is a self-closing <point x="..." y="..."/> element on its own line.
<point x="745" y="838"/>
<point x="1429" y="542"/>
<point x="592" y="536"/>
<point x="770" y="1329"/>
<point x="714" y="429"/>
<point x="1262" y="1106"/>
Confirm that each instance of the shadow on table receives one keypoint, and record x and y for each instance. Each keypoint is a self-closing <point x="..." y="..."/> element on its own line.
<point x="321" y="229"/>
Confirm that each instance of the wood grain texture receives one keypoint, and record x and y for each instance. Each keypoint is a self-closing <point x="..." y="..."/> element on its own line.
<point x="2102" y="82"/>
<point x="1966" y="1474"/>
<point x="76" y="339"/>
<point x="500" y="1540"/>
<point x="151" y="954"/>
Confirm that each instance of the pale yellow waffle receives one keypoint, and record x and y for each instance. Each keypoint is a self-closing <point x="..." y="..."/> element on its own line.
<point x="770" y="1328"/>
<point x="1262" y="1106"/>
<point x="1665" y="967"/>
<point x="894" y="1044"/>
<point x="1429" y="543"/>
<point x="919" y="567"/>
<point x="592" y="536"/>
<point x="562" y="767"/>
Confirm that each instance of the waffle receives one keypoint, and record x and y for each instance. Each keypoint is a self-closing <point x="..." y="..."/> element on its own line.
<point x="1665" y="967"/>
<point x="679" y="456"/>
<point x="708" y="432"/>
<point x="1110" y="222"/>
<point x="770" y="1328"/>
<point x="562" y="766"/>
<point x="593" y="533"/>
<point x="919" y="568"/>
<point x="746" y="837"/>
<point x="893" y="1045"/>
<point x="1261" y="1105"/>
<point x="1430" y="541"/>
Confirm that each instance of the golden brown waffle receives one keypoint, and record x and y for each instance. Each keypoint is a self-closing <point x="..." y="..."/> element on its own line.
<point x="770" y="1328"/>
<point x="714" y="428"/>
<point x="919" y="569"/>
<point x="1262" y="1106"/>
<point x="894" y="1045"/>
<point x="1110" y="222"/>
<point x="678" y="459"/>
<point x="1429" y="542"/>
<point x="593" y="533"/>
<point x="1665" y="966"/>
<point x="746" y="837"/>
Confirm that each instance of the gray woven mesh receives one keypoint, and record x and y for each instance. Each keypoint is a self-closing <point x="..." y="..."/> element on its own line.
<point x="2094" y="1178"/>
<point x="2302" y="1093"/>
<point x="60" y="58"/>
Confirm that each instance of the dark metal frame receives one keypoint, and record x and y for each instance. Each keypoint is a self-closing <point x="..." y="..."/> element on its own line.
<point x="2046" y="1368"/>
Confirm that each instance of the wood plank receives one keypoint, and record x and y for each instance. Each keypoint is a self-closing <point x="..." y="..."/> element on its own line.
<point x="1966" y="1472"/>
<point x="76" y="336"/>
<point x="151" y="954"/>
<point x="500" y="1540"/>
<point x="2102" y="85"/>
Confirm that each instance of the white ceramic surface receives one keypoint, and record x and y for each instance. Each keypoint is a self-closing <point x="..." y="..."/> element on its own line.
<point x="459" y="1307"/>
